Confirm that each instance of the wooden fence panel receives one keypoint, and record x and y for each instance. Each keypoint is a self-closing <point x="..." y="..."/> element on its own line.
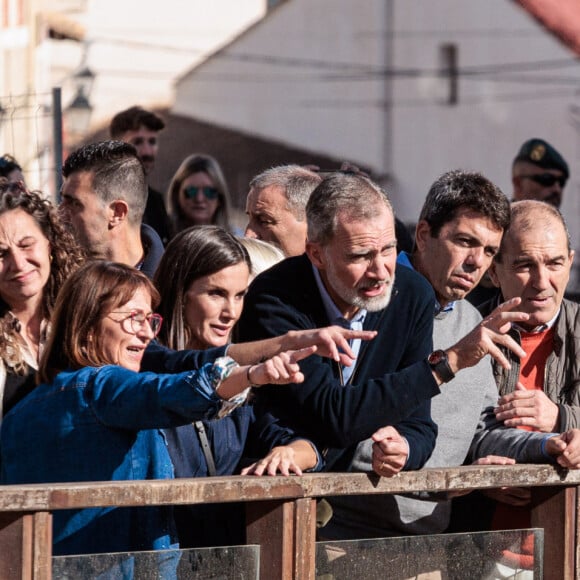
<point x="281" y="511"/>
<point x="554" y="509"/>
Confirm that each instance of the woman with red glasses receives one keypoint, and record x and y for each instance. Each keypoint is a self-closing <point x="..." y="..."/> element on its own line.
<point x="94" y="417"/>
<point x="198" y="194"/>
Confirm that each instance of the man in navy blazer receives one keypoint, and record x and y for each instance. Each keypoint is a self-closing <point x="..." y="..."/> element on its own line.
<point x="349" y="276"/>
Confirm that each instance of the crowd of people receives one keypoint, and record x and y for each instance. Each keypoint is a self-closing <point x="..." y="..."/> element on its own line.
<point x="144" y="337"/>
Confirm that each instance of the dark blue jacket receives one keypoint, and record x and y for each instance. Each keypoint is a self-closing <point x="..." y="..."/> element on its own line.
<point x="236" y="440"/>
<point x="392" y="383"/>
<point x="154" y="249"/>
<point x="243" y="433"/>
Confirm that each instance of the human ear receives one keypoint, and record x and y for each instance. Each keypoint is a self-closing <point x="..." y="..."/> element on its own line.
<point x="119" y="211"/>
<point x="493" y="274"/>
<point x="315" y="253"/>
<point x="422" y="232"/>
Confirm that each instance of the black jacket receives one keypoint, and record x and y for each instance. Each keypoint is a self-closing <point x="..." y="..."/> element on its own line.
<point x="392" y="383"/>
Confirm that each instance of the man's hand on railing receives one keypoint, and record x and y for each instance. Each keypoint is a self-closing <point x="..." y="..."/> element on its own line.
<point x="390" y="451"/>
<point x="566" y="448"/>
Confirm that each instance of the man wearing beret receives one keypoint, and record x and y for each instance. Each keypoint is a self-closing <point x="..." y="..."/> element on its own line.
<point x="539" y="172"/>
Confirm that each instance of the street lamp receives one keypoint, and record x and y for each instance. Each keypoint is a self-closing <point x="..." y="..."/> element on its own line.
<point x="78" y="113"/>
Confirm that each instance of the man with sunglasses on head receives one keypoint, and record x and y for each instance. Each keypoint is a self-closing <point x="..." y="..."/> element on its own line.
<point x="104" y="193"/>
<point x="539" y="172"/>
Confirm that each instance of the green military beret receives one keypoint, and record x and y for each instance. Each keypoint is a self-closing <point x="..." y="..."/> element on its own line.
<point x="542" y="154"/>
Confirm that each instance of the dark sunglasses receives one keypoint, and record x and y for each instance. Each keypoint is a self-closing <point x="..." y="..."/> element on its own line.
<point x="208" y="192"/>
<point x="547" y="179"/>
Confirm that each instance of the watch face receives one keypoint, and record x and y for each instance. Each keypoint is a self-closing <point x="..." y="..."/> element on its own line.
<point x="436" y="357"/>
<point x="439" y="363"/>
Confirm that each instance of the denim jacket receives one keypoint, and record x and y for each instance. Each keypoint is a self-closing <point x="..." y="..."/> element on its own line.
<point x="102" y="424"/>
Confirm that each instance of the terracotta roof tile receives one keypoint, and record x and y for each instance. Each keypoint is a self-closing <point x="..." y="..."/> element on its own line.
<point x="560" y="17"/>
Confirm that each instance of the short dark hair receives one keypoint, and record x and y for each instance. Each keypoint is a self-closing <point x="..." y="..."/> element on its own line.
<point x="464" y="189"/>
<point x="340" y="192"/>
<point x="7" y="165"/>
<point x="193" y="253"/>
<point x="87" y="296"/>
<point x="132" y="119"/>
<point x="117" y="174"/>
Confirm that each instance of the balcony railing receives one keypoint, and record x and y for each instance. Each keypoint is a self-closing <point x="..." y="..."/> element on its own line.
<point x="281" y="511"/>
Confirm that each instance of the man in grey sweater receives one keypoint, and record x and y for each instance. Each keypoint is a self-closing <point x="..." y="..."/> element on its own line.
<point x="459" y="231"/>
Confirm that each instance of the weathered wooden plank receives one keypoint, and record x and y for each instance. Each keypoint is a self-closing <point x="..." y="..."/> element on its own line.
<point x="554" y="509"/>
<point x="271" y="525"/>
<point x="577" y="537"/>
<point x="237" y="488"/>
<point x="281" y="510"/>
<point x="16" y="546"/>
<point x="42" y="546"/>
<point x="304" y="539"/>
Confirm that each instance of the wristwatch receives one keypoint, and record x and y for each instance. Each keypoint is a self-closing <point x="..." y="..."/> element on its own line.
<point x="439" y="363"/>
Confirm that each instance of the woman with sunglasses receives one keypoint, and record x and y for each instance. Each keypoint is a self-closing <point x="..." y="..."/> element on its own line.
<point x="198" y="194"/>
<point x="94" y="417"/>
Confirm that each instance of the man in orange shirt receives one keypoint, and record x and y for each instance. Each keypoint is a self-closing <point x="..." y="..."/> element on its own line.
<point x="542" y="391"/>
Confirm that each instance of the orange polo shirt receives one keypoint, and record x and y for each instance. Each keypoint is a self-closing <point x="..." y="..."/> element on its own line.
<point x="538" y="346"/>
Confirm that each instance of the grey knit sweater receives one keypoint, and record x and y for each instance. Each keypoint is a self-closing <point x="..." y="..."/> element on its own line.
<point x="467" y="430"/>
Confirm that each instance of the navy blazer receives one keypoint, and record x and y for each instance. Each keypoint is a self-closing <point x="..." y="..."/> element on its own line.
<point x="392" y="383"/>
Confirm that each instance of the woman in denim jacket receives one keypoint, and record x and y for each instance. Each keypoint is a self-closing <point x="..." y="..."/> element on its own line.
<point x="94" y="417"/>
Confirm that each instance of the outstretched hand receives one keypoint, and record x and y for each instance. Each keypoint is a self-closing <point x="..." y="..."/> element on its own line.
<point x="280" y="369"/>
<point x="488" y="336"/>
<point x="331" y="341"/>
